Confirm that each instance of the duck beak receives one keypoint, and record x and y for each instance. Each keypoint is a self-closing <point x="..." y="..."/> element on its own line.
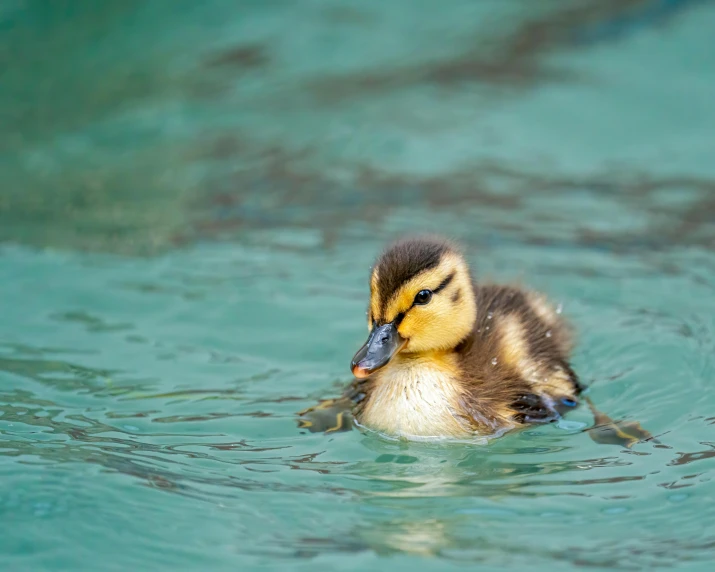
<point x="384" y="342"/>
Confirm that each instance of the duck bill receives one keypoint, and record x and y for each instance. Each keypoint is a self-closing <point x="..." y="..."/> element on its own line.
<point x="382" y="345"/>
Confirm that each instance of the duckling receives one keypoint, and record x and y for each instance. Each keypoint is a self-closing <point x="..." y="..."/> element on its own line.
<point x="448" y="357"/>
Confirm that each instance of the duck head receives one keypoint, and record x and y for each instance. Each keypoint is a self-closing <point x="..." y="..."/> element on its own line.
<point x="421" y="301"/>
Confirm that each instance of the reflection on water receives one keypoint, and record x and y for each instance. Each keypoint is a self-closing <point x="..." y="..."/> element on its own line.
<point x="194" y="194"/>
<point x="154" y="127"/>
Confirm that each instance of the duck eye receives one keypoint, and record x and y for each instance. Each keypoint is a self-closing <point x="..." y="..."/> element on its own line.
<point x="423" y="297"/>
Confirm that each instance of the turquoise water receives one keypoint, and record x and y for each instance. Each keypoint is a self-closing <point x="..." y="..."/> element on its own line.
<point x="192" y="196"/>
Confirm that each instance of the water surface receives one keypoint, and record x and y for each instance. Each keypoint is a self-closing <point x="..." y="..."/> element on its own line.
<point x="193" y="194"/>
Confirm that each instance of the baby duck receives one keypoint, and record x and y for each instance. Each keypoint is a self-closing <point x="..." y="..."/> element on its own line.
<point x="448" y="357"/>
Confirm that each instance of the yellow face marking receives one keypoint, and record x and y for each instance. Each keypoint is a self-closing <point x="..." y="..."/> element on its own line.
<point x="374" y="298"/>
<point x="431" y="279"/>
<point x="442" y="323"/>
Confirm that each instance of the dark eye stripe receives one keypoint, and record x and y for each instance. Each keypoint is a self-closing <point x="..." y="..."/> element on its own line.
<point x="444" y="283"/>
<point x="401" y="316"/>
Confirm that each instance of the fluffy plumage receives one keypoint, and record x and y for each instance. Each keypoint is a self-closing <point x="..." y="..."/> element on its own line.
<point x="448" y="357"/>
<point x="478" y="359"/>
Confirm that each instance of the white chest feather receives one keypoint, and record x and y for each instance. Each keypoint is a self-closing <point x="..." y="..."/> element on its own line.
<point x="414" y="398"/>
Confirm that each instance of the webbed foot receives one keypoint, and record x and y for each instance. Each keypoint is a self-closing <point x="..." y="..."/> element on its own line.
<point x="328" y="416"/>
<point x="606" y="431"/>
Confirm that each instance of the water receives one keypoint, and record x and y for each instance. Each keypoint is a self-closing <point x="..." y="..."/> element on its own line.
<point x="192" y="196"/>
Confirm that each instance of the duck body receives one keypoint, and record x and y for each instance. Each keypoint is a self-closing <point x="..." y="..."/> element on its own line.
<point x="448" y="357"/>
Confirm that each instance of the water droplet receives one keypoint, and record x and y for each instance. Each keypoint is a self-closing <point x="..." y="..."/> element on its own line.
<point x="479" y="330"/>
<point x="486" y="328"/>
<point x="559" y="308"/>
<point x="490" y="315"/>
<point x="548" y="333"/>
<point x="494" y="361"/>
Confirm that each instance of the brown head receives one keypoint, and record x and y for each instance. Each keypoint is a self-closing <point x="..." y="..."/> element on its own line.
<point x="421" y="300"/>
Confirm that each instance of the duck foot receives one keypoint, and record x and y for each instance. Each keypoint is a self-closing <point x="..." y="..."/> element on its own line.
<point x="606" y="431"/>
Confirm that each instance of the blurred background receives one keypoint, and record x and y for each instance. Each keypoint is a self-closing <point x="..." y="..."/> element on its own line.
<point x="191" y="195"/>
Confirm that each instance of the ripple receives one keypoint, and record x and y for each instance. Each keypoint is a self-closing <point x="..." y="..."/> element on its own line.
<point x="187" y="227"/>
